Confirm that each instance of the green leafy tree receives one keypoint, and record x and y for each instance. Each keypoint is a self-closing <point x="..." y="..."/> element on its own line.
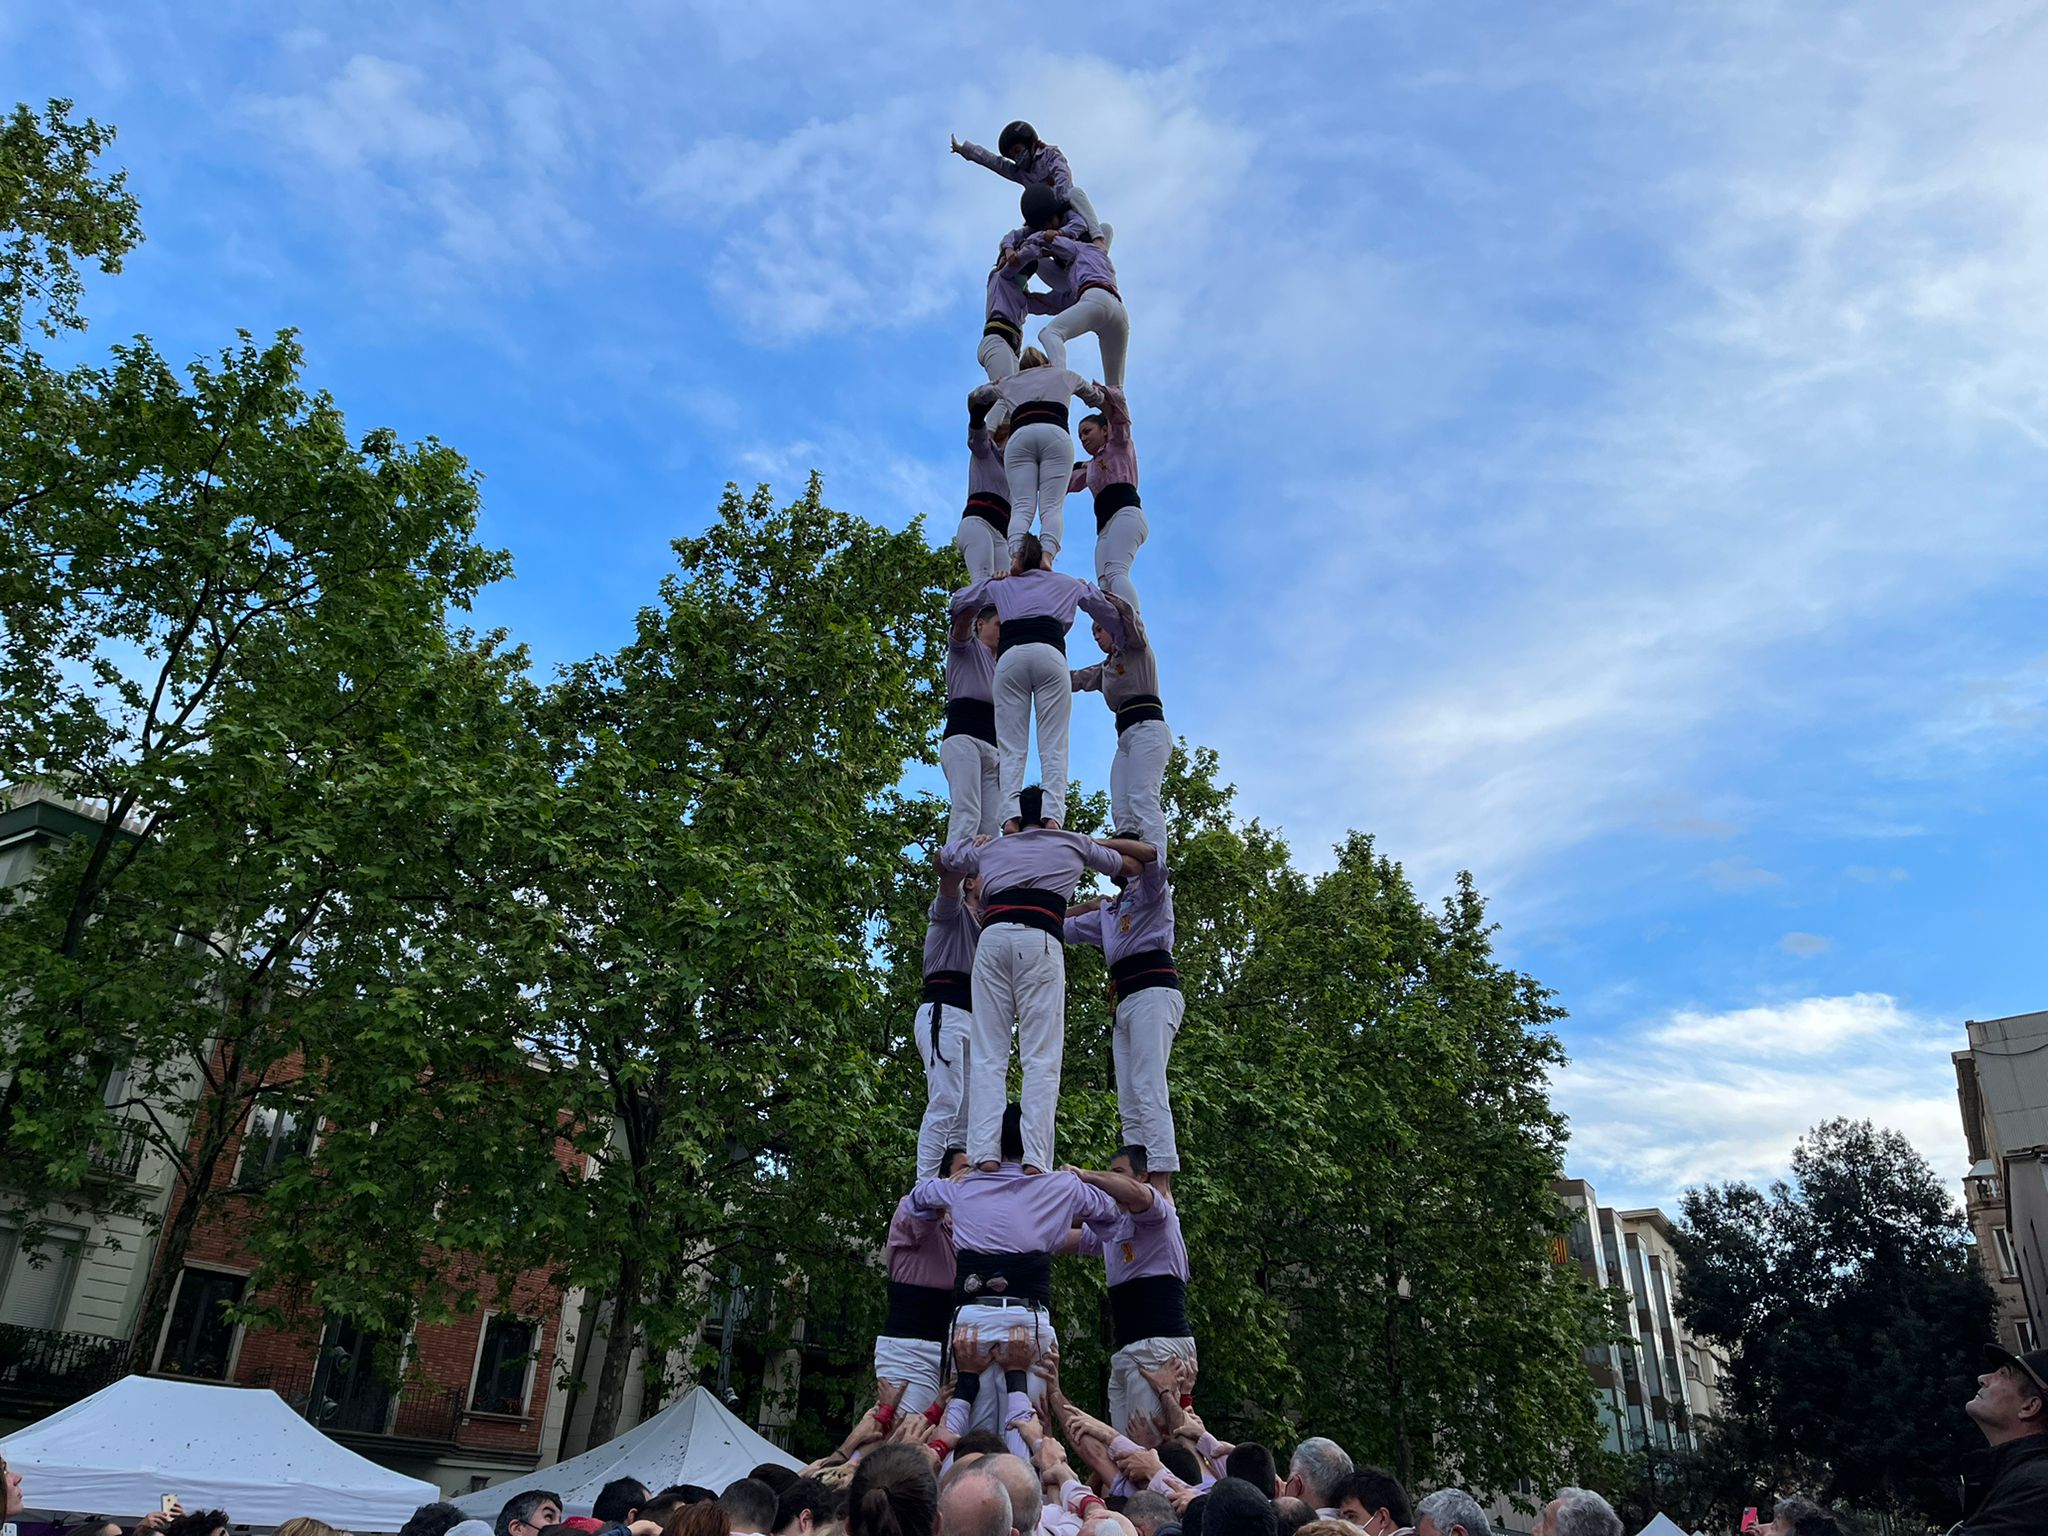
<point x="1854" y="1316"/>
<point x="56" y="210"/>
<point x="727" y="800"/>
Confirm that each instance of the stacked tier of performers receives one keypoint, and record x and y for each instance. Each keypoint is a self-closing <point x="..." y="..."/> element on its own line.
<point x="969" y="1342"/>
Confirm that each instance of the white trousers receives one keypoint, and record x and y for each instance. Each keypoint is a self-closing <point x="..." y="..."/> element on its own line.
<point x="984" y="547"/>
<point x="1135" y="776"/>
<point x="1115" y="547"/>
<point x="915" y="1361"/>
<point x="1027" y="676"/>
<point x="973" y="787"/>
<point x="994" y="1325"/>
<point x="1039" y="461"/>
<point x="998" y="358"/>
<point x="1078" y="201"/>
<point x="1020" y="981"/>
<point x="945" y="1082"/>
<point x="1097" y="310"/>
<point x="1146" y="1024"/>
<point x="1129" y="1391"/>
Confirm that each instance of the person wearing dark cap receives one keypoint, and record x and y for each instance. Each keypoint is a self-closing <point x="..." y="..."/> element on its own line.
<point x="1024" y="158"/>
<point x="2007" y="1492"/>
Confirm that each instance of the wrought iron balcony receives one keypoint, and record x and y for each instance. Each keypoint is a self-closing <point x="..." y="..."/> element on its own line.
<point x="344" y="1405"/>
<point x="47" y="1368"/>
<point x="123" y="1160"/>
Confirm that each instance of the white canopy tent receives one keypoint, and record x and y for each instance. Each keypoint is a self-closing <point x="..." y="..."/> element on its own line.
<point x="693" y="1440"/>
<point x="235" y="1448"/>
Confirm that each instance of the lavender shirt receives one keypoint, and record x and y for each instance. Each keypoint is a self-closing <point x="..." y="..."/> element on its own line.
<point x="1037" y="858"/>
<point x="1042" y="595"/>
<point x="1135" y="1246"/>
<point x="950" y="936"/>
<point x="1058" y="385"/>
<point x="1066" y="263"/>
<point x="1129" y="671"/>
<point x="920" y="1248"/>
<point x="1044" y="166"/>
<point x="1117" y="463"/>
<point x="985" y="472"/>
<point x="970" y="668"/>
<point x="1009" y="1211"/>
<point x="1006" y="293"/>
<point x="1138" y="920"/>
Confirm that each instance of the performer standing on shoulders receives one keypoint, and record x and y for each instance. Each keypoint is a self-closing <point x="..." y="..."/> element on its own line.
<point x="1035" y="607"/>
<point x="1024" y="159"/>
<point x="983" y="537"/>
<point x="945" y="1019"/>
<point x="1111" y="475"/>
<point x="1039" y="457"/>
<point x="1020" y="969"/>
<point x="1134" y="931"/>
<point x="967" y="750"/>
<point x="1084" y="294"/>
<point x="1127" y="677"/>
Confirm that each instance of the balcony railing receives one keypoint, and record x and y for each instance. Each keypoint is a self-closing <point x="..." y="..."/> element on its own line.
<point x="123" y="1160"/>
<point x="51" y="1369"/>
<point x="342" y="1405"/>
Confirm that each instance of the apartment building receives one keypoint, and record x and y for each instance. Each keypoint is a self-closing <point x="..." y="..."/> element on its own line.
<point x="1656" y="1386"/>
<point x="481" y="1398"/>
<point x="2002" y="1092"/>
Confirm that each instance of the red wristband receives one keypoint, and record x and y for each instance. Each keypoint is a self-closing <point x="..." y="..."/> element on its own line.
<point x="885" y="1414"/>
<point x="938" y="1448"/>
<point x="1187" y="1399"/>
<point x="936" y="1412"/>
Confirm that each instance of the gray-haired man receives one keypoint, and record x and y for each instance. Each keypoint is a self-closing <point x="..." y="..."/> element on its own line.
<point x="1577" y="1512"/>
<point x="1313" y="1473"/>
<point x="1451" y="1512"/>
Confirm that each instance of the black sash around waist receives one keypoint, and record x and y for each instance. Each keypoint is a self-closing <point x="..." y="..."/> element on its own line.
<point x="1033" y="412"/>
<point x="1112" y="499"/>
<point x="1034" y="629"/>
<point x="1138" y="708"/>
<point x="1096" y="282"/>
<point x="1043" y="910"/>
<point x="1008" y="330"/>
<point x="1143" y="971"/>
<point x="1025" y="1276"/>
<point x="973" y="717"/>
<point x="990" y="508"/>
<point x="918" y="1312"/>
<point x="953" y="988"/>
<point x="1152" y="1307"/>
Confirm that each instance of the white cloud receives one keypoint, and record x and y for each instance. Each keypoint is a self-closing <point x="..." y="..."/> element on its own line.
<point x="370" y="112"/>
<point x="1705" y="1097"/>
<point x="1805" y="945"/>
<point x="1739" y="875"/>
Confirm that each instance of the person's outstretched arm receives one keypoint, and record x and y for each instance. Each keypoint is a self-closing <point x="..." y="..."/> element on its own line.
<point x="1132" y="1194"/>
<point x="988" y="159"/>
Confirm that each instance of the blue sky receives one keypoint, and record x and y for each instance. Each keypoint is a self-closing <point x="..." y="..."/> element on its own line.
<point x="1599" y="447"/>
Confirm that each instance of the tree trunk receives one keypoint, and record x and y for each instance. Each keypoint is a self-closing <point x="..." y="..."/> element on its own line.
<point x="220" y="1117"/>
<point x="618" y="1352"/>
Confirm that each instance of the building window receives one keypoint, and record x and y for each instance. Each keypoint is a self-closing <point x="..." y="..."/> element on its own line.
<point x="2002" y="1241"/>
<point x="278" y="1132"/>
<point x="35" y="1288"/>
<point x="199" y="1339"/>
<point x="503" y="1365"/>
<point x="2023" y="1336"/>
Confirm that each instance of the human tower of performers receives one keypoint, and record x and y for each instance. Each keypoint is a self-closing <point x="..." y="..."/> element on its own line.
<point x="968" y="1356"/>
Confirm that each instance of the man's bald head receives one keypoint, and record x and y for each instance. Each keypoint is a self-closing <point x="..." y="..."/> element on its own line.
<point x="975" y="1503"/>
<point x="1109" y="1523"/>
<point x="1026" y="1503"/>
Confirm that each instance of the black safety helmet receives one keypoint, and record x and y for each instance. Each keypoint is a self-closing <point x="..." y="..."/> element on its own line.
<point x="1040" y="206"/>
<point x="1018" y="135"/>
